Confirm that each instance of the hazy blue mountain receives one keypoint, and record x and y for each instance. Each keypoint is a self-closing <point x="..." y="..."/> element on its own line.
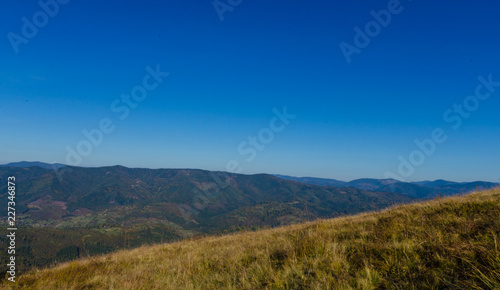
<point x="25" y="164"/>
<point x="423" y="182"/>
<point x="371" y="183"/>
<point x="421" y="189"/>
<point x="410" y="189"/>
<point x="314" y="180"/>
<point x="440" y="183"/>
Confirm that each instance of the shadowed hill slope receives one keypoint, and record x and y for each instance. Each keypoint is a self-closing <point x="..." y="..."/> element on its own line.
<point x="444" y="243"/>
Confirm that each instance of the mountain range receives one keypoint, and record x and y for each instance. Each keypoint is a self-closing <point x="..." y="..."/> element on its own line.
<point x="25" y="164"/>
<point x="74" y="212"/>
<point x="66" y="212"/>
<point x="421" y="189"/>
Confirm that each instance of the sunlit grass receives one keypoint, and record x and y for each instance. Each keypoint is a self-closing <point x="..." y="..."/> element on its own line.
<point x="447" y="242"/>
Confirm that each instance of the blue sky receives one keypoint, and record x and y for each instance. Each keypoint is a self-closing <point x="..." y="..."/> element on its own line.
<point x="352" y="119"/>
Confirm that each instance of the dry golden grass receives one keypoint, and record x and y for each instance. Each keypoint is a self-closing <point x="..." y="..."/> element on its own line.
<point x="444" y="243"/>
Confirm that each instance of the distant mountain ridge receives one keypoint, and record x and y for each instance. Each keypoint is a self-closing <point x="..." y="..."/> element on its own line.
<point x="361" y="183"/>
<point x="26" y="164"/>
<point x="315" y="180"/>
<point x="421" y="189"/>
<point x="105" y="187"/>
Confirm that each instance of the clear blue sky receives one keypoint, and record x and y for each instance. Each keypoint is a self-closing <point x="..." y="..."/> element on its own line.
<point x="352" y="119"/>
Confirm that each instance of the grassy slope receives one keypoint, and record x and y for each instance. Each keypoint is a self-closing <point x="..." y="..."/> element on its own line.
<point x="441" y="243"/>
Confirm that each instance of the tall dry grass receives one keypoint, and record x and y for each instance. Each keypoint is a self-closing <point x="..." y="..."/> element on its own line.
<point x="444" y="243"/>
